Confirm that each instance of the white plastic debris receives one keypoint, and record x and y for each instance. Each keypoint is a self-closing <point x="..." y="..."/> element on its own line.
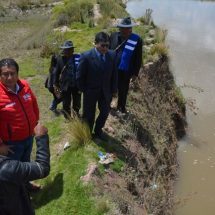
<point x="66" y="145"/>
<point x="154" y="186"/>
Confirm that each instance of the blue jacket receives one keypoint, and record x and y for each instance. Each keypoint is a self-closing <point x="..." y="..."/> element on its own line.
<point x="14" y="198"/>
<point x="117" y="43"/>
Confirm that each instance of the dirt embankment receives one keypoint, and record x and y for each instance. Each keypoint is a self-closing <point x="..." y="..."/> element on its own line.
<point x="146" y="141"/>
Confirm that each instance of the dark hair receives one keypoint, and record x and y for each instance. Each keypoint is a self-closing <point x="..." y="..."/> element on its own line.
<point x="102" y="37"/>
<point x="9" y="62"/>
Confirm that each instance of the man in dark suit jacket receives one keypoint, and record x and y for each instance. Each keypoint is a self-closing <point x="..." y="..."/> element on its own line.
<point x="97" y="79"/>
<point x="128" y="47"/>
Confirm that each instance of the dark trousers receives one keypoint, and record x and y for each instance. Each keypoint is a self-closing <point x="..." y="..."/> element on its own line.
<point x="123" y="86"/>
<point x="55" y="102"/>
<point x="89" y="110"/>
<point x="21" y="149"/>
<point x="73" y="94"/>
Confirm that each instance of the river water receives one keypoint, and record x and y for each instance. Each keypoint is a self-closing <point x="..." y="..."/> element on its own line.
<point x="191" y="39"/>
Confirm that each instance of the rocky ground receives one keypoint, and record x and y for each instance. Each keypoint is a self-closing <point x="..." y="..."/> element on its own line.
<point x="145" y="140"/>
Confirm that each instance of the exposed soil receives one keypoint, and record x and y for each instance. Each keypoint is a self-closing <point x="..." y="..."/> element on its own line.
<point x="146" y="141"/>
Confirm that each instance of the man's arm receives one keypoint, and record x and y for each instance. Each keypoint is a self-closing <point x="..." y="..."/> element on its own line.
<point x="114" y="78"/>
<point x="138" y="57"/>
<point x="57" y="72"/>
<point x="19" y="172"/>
<point x="81" y="73"/>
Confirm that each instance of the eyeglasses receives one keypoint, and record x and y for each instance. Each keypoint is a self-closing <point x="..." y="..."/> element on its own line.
<point x="6" y="75"/>
<point x="104" y="45"/>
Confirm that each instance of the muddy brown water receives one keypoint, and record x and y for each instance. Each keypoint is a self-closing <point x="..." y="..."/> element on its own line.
<point x="191" y="39"/>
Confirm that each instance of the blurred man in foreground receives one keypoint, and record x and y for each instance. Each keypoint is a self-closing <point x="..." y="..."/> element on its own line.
<point x="14" y="198"/>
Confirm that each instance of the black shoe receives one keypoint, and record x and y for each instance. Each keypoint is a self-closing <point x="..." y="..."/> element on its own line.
<point x="123" y="110"/>
<point x="101" y="136"/>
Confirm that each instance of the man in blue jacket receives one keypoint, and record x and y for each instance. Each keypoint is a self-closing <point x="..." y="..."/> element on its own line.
<point x="97" y="79"/>
<point x="128" y="47"/>
<point x="14" y="197"/>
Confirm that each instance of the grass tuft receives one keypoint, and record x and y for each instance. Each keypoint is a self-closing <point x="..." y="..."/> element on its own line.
<point x="80" y="131"/>
<point x="159" y="49"/>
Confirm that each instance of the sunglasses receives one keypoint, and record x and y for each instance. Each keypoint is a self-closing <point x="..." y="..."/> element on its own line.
<point x="104" y="45"/>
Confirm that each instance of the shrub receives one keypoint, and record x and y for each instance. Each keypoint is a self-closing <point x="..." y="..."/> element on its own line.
<point x="63" y="19"/>
<point x="112" y="8"/>
<point x="74" y="11"/>
<point x="24" y="4"/>
<point x="159" y="49"/>
<point x="80" y="131"/>
<point x="160" y="35"/>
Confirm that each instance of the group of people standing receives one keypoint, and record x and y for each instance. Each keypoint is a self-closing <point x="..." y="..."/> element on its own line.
<point x="100" y="73"/>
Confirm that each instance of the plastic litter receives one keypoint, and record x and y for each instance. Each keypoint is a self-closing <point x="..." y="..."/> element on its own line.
<point x="101" y="156"/>
<point x="66" y="145"/>
<point x="106" y="158"/>
<point x="154" y="186"/>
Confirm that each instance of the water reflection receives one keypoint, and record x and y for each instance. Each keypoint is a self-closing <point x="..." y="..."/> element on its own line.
<point x="191" y="38"/>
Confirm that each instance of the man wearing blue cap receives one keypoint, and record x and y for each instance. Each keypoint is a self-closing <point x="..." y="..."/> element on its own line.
<point x="65" y="79"/>
<point x="128" y="47"/>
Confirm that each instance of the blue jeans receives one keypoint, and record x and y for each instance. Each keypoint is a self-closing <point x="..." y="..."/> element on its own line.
<point x="55" y="102"/>
<point x="22" y="149"/>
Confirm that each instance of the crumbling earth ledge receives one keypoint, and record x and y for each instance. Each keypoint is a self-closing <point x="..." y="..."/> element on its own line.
<point x="145" y="140"/>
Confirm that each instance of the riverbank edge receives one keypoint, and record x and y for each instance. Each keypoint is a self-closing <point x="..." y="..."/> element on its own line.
<point x="156" y="120"/>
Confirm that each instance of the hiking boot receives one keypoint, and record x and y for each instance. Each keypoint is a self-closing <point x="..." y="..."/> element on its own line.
<point x="101" y="135"/>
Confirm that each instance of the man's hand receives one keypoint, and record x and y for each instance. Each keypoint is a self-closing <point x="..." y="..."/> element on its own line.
<point x="40" y="130"/>
<point x="57" y="91"/>
<point x="114" y="95"/>
<point x="4" y="149"/>
<point x="133" y="78"/>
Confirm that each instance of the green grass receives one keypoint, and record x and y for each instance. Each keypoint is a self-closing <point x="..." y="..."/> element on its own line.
<point x="73" y="11"/>
<point x="65" y="194"/>
<point x="112" y="8"/>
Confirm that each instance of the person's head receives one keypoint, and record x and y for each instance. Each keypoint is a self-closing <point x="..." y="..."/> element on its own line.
<point x="102" y="42"/>
<point x="67" y="48"/>
<point x="125" y="27"/>
<point x="9" y="69"/>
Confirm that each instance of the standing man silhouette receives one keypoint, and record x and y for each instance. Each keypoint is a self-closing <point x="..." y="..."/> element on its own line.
<point x="65" y="79"/>
<point x="97" y="79"/>
<point x="128" y="47"/>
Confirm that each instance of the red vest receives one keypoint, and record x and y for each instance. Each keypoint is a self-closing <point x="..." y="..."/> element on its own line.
<point x="19" y="113"/>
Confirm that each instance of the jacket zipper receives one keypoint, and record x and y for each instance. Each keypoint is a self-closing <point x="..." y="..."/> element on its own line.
<point x="24" y="113"/>
<point x="9" y="131"/>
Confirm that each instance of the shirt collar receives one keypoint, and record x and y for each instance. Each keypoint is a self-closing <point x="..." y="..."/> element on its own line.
<point x="16" y="90"/>
<point x="99" y="54"/>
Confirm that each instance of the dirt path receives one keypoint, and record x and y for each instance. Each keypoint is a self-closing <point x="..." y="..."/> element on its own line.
<point x="96" y="12"/>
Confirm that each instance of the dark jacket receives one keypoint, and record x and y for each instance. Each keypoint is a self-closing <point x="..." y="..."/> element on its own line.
<point x="117" y="42"/>
<point x="65" y="73"/>
<point x="14" y="198"/>
<point x="93" y="76"/>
